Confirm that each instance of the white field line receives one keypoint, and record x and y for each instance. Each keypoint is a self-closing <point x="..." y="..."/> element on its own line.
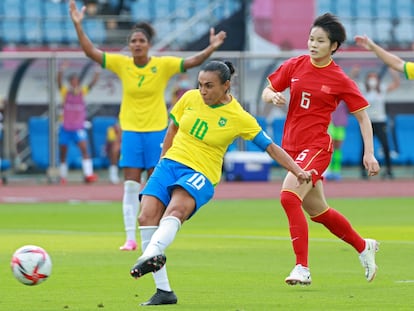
<point x="197" y="236"/>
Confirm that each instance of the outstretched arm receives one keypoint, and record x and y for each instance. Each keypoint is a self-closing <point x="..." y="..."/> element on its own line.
<point x="87" y="46"/>
<point x="215" y="41"/>
<point x="388" y="58"/>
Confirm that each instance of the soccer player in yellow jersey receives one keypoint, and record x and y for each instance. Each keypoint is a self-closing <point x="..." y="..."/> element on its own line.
<point x="143" y="114"/>
<point x="204" y="123"/>
<point x="388" y="58"/>
<point x="113" y="147"/>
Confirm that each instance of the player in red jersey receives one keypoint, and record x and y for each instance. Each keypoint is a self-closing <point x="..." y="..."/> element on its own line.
<point x="317" y="85"/>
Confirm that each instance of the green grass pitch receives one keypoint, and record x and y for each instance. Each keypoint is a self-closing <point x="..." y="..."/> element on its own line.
<point x="232" y="256"/>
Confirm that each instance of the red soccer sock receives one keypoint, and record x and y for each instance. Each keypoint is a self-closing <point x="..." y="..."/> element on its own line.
<point x="298" y="225"/>
<point x="341" y="227"/>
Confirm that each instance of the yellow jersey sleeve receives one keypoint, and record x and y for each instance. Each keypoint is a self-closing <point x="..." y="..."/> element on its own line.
<point x="63" y="92"/>
<point x="409" y="70"/>
<point x="143" y="106"/>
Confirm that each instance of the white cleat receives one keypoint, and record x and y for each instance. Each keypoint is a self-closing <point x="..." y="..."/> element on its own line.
<point x="299" y="275"/>
<point x="367" y="258"/>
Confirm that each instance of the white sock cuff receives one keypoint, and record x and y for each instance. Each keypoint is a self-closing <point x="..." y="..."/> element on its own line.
<point x="63" y="170"/>
<point x="131" y="186"/>
<point x="171" y="219"/>
<point x="87" y="166"/>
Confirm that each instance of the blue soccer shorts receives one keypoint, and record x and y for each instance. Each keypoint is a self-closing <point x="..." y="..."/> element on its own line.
<point x="67" y="136"/>
<point x="141" y="149"/>
<point x="169" y="174"/>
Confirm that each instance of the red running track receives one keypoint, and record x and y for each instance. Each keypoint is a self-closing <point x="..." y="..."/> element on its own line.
<point x="226" y="190"/>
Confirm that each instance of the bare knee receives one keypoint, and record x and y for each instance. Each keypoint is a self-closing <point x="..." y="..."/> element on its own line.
<point x="151" y="211"/>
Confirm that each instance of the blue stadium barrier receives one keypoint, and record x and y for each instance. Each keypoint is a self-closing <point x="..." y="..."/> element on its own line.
<point x="38" y="128"/>
<point x="352" y="145"/>
<point x="277" y="130"/>
<point x="404" y="131"/>
<point x="5" y="164"/>
<point x="39" y="144"/>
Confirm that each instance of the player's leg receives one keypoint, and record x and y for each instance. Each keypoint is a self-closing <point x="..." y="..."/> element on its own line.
<point x="188" y="194"/>
<point x="291" y="199"/>
<point x="130" y="206"/>
<point x="87" y="166"/>
<point x="164" y="293"/>
<point x="151" y="212"/>
<point x="181" y="206"/>
<point x="298" y="227"/>
<point x="113" y="152"/>
<point x="131" y="161"/>
<point x="316" y="206"/>
<point x="381" y="131"/>
<point x="63" y="150"/>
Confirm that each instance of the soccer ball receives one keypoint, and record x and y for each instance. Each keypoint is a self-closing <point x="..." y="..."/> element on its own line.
<point x="31" y="265"/>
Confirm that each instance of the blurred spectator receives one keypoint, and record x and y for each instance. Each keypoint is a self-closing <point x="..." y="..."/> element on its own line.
<point x="74" y="117"/>
<point x="113" y="147"/>
<point x="182" y="85"/>
<point x="337" y="130"/>
<point x="375" y="92"/>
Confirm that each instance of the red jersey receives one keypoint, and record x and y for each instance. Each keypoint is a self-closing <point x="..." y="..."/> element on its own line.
<point x="315" y="92"/>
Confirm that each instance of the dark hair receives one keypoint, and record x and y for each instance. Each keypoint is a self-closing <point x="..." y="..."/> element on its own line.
<point x="331" y="24"/>
<point x="225" y="69"/>
<point x="73" y="76"/>
<point x="145" y="28"/>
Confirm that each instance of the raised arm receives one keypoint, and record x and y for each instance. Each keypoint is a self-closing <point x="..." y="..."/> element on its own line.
<point x="95" y="78"/>
<point x="395" y="82"/>
<point x="60" y="75"/>
<point x="87" y="46"/>
<point x="215" y="41"/>
<point x="388" y="58"/>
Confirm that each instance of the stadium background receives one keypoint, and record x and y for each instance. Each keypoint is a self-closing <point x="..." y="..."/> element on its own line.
<point x="37" y="35"/>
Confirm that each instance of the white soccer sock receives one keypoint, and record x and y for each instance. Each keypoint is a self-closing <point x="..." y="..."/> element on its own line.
<point x="87" y="167"/>
<point x="161" y="276"/>
<point x="163" y="236"/>
<point x="63" y="170"/>
<point x="130" y="208"/>
<point x="113" y="174"/>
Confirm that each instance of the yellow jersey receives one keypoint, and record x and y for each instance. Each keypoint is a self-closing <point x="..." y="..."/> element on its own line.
<point x="143" y="107"/>
<point x="205" y="132"/>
